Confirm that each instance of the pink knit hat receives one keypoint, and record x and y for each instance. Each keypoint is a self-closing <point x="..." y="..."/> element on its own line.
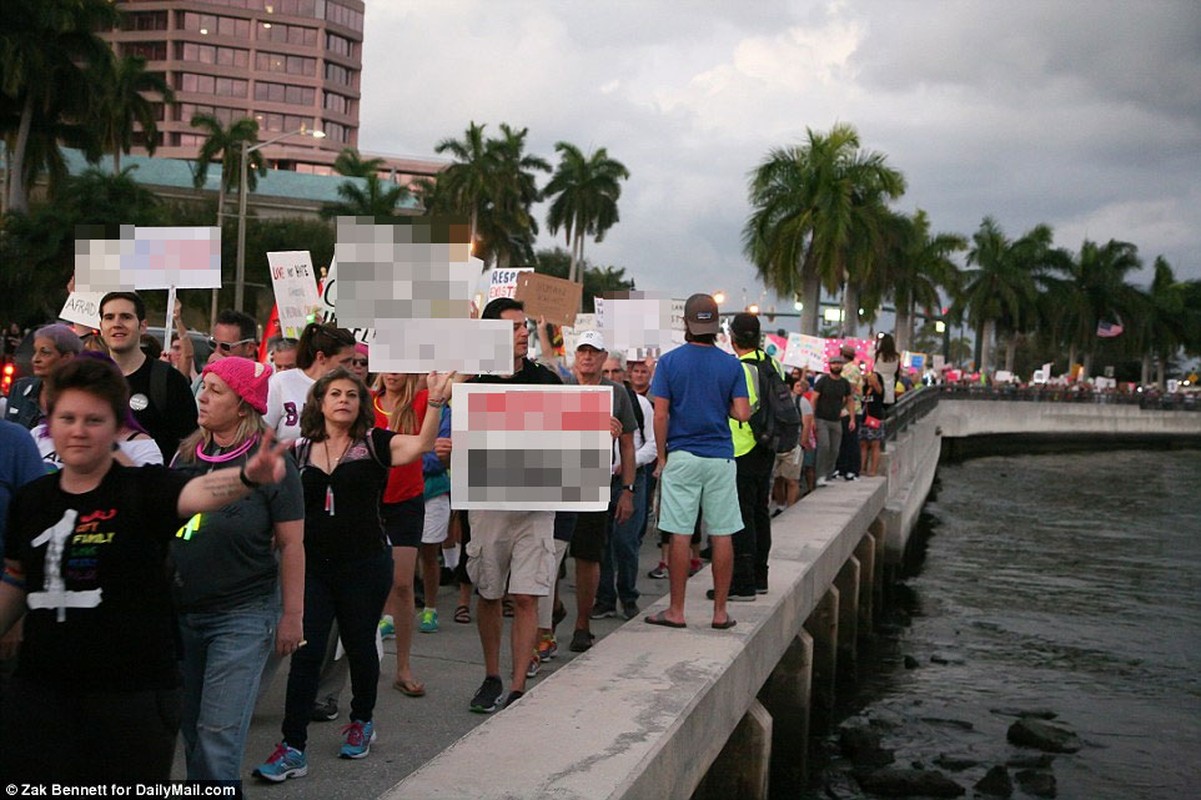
<point x="247" y="378"/>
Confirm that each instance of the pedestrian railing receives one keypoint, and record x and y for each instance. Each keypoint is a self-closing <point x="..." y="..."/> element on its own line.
<point x="1148" y="400"/>
<point x="912" y="406"/>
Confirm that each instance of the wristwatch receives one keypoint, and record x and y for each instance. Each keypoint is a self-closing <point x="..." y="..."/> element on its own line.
<point x="629" y="487"/>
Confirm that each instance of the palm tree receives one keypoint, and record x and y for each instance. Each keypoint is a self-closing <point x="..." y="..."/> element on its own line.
<point x="1098" y="292"/>
<point x="1163" y="321"/>
<point x="352" y="164"/>
<point x="817" y="216"/>
<point x="511" y="227"/>
<point x="463" y="186"/>
<point x="585" y="190"/>
<point x="45" y="50"/>
<point x="1000" y="282"/>
<point x="226" y="144"/>
<point x="917" y="270"/>
<point x="371" y="197"/>
<point x="121" y="105"/>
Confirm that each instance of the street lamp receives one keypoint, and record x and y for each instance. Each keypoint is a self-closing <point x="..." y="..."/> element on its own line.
<point x="247" y="149"/>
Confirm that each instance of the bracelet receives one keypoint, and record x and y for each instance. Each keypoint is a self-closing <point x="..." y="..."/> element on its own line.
<point x="436" y="403"/>
<point x="245" y="479"/>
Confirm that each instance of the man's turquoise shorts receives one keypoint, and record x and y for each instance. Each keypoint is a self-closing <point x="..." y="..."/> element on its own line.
<point x="692" y="484"/>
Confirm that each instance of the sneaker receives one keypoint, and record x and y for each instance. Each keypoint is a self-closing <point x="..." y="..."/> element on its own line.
<point x="694" y="566"/>
<point x="548" y="647"/>
<point x="387" y="630"/>
<point x="429" y="621"/>
<point x="325" y="710"/>
<point x="286" y="762"/>
<point x="736" y="595"/>
<point x="602" y="612"/>
<point x="532" y="670"/>
<point x="629" y="609"/>
<point x="581" y="641"/>
<point x="850" y="476"/>
<point x="359" y="736"/>
<point x="821" y="482"/>
<point x="659" y="572"/>
<point x="513" y="697"/>
<point x="487" y="698"/>
<point x="761" y="585"/>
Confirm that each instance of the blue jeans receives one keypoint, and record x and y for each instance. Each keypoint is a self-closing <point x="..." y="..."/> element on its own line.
<point x="621" y="548"/>
<point x="224" y="653"/>
<point x="353" y="593"/>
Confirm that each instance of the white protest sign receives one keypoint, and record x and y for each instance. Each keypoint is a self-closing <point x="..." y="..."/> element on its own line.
<point x="295" y="284"/>
<point x="503" y="282"/>
<point x="805" y="351"/>
<point x="329" y="297"/>
<point x="636" y="319"/>
<point x="150" y="258"/>
<point x="83" y="308"/>
<point x="469" y="346"/>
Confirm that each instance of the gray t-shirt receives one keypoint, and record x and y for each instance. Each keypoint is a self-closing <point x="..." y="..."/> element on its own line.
<point x="225" y="559"/>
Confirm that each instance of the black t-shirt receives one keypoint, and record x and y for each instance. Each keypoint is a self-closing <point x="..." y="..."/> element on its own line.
<point x="873" y="402"/>
<point x="530" y="373"/>
<point x="832" y="394"/>
<point x="169" y="425"/>
<point x="342" y="510"/>
<point x="100" y="616"/>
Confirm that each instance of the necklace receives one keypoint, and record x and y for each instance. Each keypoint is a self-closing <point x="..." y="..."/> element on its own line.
<point x="375" y="401"/>
<point x="332" y="464"/>
<point x="220" y="457"/>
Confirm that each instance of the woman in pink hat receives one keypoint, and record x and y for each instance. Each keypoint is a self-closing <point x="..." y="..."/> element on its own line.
<point x="228" y="584"/>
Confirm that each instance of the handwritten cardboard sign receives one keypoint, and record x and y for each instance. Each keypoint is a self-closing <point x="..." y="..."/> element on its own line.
<point x="545" y="296"/>
<point x="83" y="308"/>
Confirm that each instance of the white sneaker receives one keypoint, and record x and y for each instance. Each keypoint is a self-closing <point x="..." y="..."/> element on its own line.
<point x="822" y="482"/>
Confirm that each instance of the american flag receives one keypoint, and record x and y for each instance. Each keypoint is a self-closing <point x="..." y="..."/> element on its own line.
<point x="1108" y="330"/>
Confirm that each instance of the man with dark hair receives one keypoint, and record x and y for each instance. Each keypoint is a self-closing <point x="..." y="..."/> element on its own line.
<point x="835" y="399"/>
<point x="755" y="462"/>
<point x="234" y="334"/>
<point x="510" y="550"/>
<point x="158" y="394"/>
<point x="697" y="388"/>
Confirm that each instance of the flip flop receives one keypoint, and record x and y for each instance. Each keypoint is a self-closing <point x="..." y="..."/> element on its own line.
<point x="462" y="615"/>
<point x="725" y="626"/>
<point x="659" y="619"/>
<point x="409" y="688"/>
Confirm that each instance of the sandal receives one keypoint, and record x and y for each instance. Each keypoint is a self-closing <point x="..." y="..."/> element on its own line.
<point x="661" y="619"/>
<point x="463" y="615"/>
<point x="409" y="688"/>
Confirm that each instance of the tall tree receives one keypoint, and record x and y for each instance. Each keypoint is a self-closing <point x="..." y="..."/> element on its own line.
<point x="1099" y="292"/>
<point x="120" y="105"/>
<point x="462" y="187"/>
<point x="509" y="226"/>
<point x="817" y="216"/>
<point x="999" y="283"/>
<point x="352" y="164"/>
<point x="372" y="197"/>
<point x="585" y="191"/>
<point x="46" y="48"/>
<point x="225" y="144"/>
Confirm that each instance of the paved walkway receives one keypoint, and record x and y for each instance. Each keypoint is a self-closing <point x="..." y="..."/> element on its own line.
<point x="413" y="730"/>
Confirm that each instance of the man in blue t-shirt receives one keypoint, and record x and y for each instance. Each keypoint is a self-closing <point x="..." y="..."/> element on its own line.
<point x="697" y="388"/>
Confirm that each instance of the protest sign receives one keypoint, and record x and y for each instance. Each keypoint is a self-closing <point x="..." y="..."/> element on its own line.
<point x="531" y="448"/>
<point x="469" y="346"/>
<point x="631" y="320"/>
<point x="548" y="297"/>
<point x="150" y="258"/>
<point x="295" y="285"/>
<point x="806" y="352"/>
<point x="329" y="298"/>
<point x="82" y="308"/>
<point x="503" y="282"/>
<point x="864" y="351"/>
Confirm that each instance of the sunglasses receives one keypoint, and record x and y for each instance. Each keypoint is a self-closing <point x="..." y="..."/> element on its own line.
<point x="359" y="362"/>
<point x="226" y="347"/>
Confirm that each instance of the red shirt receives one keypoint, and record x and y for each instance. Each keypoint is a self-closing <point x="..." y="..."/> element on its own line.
<point x="404" y="482"/>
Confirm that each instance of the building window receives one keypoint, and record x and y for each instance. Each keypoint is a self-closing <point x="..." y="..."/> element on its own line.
<point x="336" y="73"/>
<point x="287" y="34"/>
<point x="151" y="51"/>
<point x="346" y="17"/>
<point x="284" y="93"/>
<point x="144" y="21"/>
<point x="339" y="45"/>
<point x="213" y="25"/>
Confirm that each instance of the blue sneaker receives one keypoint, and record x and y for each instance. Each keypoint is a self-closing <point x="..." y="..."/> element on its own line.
<point x="387" y="629"/>
<point x="286" y="762"/>
<point x="359" y="736"/>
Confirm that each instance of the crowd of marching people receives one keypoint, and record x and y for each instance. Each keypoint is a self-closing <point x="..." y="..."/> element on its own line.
<point x="172" y="536"/>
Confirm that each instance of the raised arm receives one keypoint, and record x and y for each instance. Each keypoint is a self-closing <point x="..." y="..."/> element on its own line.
<point x="405" y="448"/>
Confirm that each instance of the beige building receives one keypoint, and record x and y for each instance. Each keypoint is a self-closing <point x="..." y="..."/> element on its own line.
<point x="286" y="63"/>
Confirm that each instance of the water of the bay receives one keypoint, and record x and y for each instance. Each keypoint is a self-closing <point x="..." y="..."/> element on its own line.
<point x="1070" y="583"/>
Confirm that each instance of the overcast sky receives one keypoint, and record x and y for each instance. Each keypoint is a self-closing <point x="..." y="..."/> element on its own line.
<point x="1082" y="114"/>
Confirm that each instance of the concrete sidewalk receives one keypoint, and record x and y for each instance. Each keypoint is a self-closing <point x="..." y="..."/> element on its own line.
<point x="411" y="731"/>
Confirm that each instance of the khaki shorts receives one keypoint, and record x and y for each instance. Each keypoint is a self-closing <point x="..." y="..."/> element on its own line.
<point x="511" y="551"/>
<point x="788" y="465"/>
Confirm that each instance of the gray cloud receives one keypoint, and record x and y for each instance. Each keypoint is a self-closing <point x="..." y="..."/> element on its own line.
<point x="1082" y="115"/>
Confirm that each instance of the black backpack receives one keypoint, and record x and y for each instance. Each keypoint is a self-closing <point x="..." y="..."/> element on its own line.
<point x="776" y="422"/>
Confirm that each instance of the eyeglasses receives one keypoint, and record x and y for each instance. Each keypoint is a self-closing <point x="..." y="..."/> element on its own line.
<point x="226" y="347"/>
<point x="359" y="362"/>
